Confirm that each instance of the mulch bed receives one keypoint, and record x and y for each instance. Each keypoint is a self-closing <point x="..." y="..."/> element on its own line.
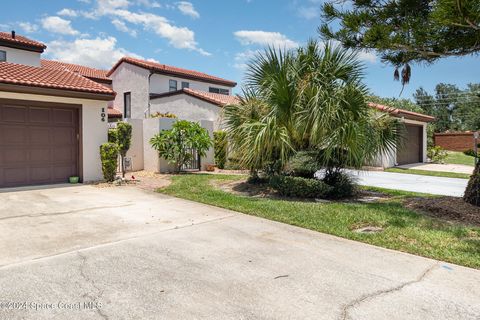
<point x="446" y="208"/>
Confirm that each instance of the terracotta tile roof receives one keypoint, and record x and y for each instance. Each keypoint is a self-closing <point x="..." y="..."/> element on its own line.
<point x="91" y="73"/>
<point x="165" y="69"/>
<point x="402" y="113"/>
<point x="114" y="113"/>
<point x="213" y="98"/>
<point x="18" y="74"/>
<point x="216" y="98"/>
<point x="22" y="41"/>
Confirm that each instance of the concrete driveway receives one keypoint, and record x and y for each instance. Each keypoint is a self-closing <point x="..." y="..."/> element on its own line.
<point x="124" y="253"/>
<point x="412" y="182"/>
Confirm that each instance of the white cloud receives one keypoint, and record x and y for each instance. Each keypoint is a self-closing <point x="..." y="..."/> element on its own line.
<point x="367" y="56"/>
<point x="187" y="9"/>
<point x="178" y="37"/>
<point x="67" y="12"/>
<point x="149" y="3"/>
<point x="242" y="58"/>
<point x="121" y="26"/>
<point x="58" y="25"/>
<point x="265" y="38"/>
<point x="28" y="27"/>
<point x="309" y="12"/>
<point x="97" y="52"/>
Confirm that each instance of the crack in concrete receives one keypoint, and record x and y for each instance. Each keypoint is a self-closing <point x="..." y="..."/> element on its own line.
<point x="62" y="212"/>
<point x="100" y="292"/>
<point x="369" y="296"/>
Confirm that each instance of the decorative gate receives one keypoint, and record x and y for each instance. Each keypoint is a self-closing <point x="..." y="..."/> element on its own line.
<point x="194" y="163"/>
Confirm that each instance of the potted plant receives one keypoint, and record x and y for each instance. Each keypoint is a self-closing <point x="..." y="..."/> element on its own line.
<point x="73" y="179"/>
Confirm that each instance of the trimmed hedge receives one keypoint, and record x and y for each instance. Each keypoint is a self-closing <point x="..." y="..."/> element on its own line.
<point x="299" y="187"/>
<point x="109" y="157"/>
<point x="220" y="146"/>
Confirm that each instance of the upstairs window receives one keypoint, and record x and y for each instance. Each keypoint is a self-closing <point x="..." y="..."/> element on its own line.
<point x="3" y="56"/>
<point x="127" y="105"/>
<point x="172" y="85"/>
<point x="219" y="90"/>
<point x="185" y="85"/>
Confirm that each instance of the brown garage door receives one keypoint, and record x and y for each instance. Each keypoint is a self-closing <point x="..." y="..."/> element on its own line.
<point x="411" y="151"/>
<point x="38" y="144"/>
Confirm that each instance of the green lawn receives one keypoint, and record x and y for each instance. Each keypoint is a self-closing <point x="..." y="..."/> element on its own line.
<point x="404" y="230"/>
<point x="455" y="157"/>
<point x="430" y="173"/>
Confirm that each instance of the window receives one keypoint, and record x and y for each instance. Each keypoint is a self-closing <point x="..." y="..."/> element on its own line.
<point x="219" y="90"/>
<point x="172" y="85"/>
<point x="185" y="85"/>
<point x="127" y="105"/>
<point x="3" y="56"/>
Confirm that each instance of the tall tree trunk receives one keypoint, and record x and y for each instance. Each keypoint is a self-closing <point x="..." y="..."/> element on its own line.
<point x="472" y="193"/>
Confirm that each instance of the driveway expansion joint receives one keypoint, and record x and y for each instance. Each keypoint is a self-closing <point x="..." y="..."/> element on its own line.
<point x="370" y="296"/>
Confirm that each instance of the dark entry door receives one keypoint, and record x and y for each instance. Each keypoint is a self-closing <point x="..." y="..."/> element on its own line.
<point x="411" y="151"/>
<point x="38" y="144"/>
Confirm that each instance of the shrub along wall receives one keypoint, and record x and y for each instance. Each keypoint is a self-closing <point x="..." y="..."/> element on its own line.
<point x="456" y="141"/>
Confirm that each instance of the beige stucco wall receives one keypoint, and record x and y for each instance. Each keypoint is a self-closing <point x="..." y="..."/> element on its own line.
<point x="93" y="128"/>
<point x="189" y="108"/>
<point x="130" y="78"/>
<point x="136" y="147"/>
<point x="28" y="58"/>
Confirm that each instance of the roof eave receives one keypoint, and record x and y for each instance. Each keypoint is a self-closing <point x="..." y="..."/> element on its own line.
<point x="22" y="46"/>
<point x="40" y="90"/>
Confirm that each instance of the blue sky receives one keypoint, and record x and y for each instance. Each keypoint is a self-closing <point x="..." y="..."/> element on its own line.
<point x="213" y="36"/>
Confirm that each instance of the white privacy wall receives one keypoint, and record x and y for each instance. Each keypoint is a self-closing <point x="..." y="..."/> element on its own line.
<point x="186" y="107"/>
<point x="25" y="57"/>
<point x="130" y="78"/>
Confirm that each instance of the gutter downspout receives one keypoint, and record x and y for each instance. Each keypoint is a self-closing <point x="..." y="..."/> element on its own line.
<point x="146" y="113"/>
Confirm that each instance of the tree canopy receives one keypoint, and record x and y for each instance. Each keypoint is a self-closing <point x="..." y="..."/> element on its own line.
<point x="454" y="109"/>
<point x="405" y="31"/>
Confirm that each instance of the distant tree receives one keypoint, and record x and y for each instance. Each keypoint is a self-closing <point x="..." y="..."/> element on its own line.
<point x="453" y="108"/>
<point x="405" y="31"/>
<point x="405" y="104"/>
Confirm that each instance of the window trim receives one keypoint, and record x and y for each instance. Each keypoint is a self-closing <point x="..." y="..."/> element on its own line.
<point x="127" y="113"/>
<point x="170" y="86"/>
<point x="5" y="55"/>
<point x="219" y="90"/>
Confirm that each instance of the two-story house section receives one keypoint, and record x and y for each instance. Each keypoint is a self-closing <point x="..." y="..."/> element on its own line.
<point x="145" y="88"/>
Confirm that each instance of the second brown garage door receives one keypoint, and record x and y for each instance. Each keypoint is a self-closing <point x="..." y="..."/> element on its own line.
<point x="38" y="144"/>
<point x="412" y="149"/>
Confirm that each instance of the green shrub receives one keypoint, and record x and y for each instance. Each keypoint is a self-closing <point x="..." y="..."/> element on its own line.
<point x="220" y="146"/>
<point x="299" y="187"/>
<point x="341" y="185"/>
<point x="469" y="152"/>
<point x="304" y="164"/>
<point x="437" y="154"/>
<point x="112" y="135"/>
<point x="109" y="157"/>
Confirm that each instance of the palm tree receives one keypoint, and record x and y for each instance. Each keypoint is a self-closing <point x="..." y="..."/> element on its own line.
<point x="309" y="99"/>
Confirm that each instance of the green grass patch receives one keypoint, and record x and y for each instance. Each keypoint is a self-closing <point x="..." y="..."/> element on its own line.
<point x="430" y="173"/>
<point x="455" y="157"/>
<point x="404" y="230"/>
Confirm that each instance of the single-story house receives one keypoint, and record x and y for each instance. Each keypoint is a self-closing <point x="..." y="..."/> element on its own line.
<point x="52" y="121"/>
